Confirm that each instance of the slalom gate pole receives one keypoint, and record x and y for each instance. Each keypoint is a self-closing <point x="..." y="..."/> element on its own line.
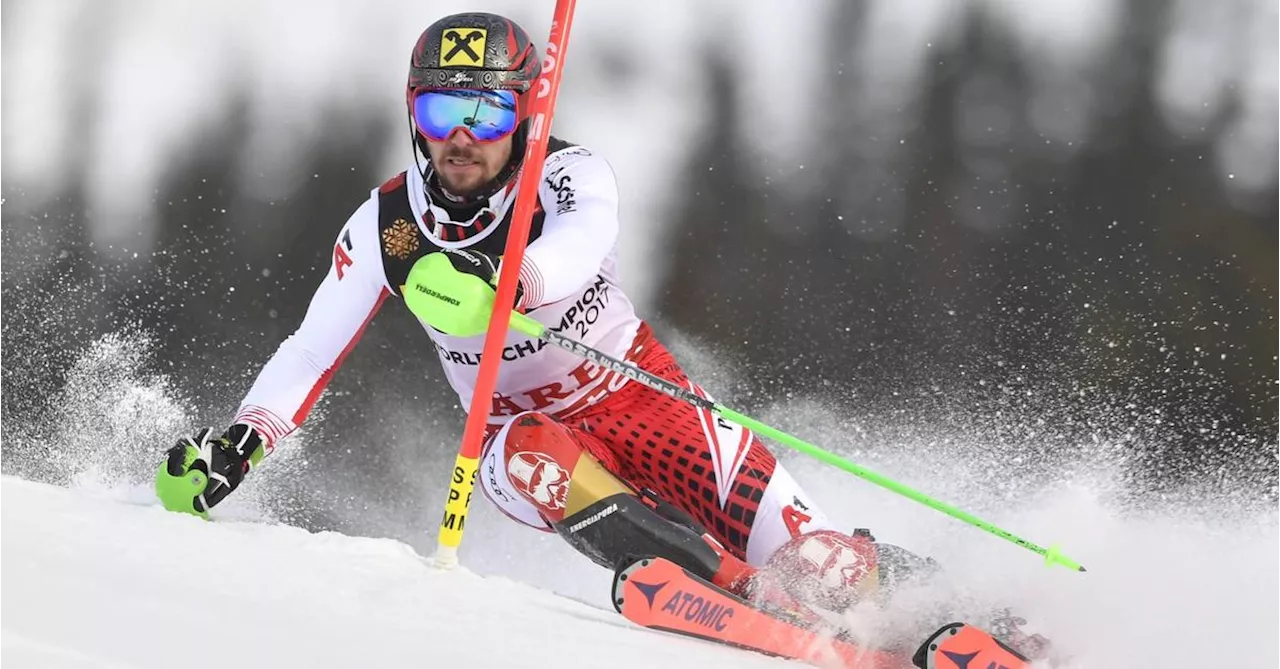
<point x="462" y="480"/>
<point x="1052" y="555"/>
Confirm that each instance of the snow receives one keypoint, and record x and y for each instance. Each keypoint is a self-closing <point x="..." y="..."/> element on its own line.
<point x="97" y="575"/>
<point x="92" y="580"/>
<point x="98" y="578"/>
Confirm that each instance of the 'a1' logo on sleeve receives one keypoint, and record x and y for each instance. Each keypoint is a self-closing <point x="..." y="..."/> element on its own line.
<point x="341" y="259"/>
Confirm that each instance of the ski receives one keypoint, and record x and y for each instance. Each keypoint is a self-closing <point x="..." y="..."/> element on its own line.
<point x="961" y="646"/>
<point x="660" y="595"/>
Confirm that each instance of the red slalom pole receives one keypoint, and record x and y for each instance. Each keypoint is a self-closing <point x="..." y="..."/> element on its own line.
<point x="463" y="479"/>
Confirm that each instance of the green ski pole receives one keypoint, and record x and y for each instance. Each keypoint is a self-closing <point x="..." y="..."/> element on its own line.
<point x="521" y="323"/>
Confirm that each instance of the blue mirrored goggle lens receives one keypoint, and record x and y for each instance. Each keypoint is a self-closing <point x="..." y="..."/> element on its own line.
<point x="489" y="115"/>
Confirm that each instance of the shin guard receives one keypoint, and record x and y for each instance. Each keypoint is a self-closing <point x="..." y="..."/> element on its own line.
<point x="617" y="529"/>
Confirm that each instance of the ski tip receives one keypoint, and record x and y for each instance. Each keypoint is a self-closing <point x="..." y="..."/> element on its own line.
<point x="1082" y="568"/>
<point x="960" y="645"/>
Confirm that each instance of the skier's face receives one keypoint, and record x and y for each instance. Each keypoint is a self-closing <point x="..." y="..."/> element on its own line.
<point x="464" y="165"/>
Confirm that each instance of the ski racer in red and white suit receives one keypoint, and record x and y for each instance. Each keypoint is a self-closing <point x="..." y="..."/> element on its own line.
<point x="616" y="468"/>
<point x="717" y="472"/>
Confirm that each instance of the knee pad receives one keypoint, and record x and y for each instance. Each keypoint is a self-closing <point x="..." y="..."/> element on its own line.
<point x="826" y="568"/>
<point x="498" y="488"/>
<point x="547" y="464"/>
<point x="540" y="458"/>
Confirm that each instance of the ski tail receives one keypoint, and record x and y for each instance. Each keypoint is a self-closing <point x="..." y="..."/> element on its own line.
<point x="658" y="594"/>
<point x="961" y="646"/>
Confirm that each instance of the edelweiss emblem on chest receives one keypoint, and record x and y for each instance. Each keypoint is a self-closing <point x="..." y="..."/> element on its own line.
<point x="399" y="240"/>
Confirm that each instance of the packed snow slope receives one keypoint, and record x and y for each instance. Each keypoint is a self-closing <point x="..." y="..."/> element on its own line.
<point x="95" y="574"/>
<point x="103" y="577"/>
<point x="91" y="581"/>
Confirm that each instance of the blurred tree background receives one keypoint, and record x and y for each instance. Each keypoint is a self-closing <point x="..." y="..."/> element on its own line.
<point x="1037" y="253"/>
<point x="1112" y="286"/>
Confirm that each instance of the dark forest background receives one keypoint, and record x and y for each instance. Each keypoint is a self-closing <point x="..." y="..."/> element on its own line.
<point x="1034" y="297"/>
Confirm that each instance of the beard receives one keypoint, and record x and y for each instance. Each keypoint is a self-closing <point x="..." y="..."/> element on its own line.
<point x="459" y="180"/>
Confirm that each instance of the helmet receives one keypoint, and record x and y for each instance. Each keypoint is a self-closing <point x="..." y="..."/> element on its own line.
<point x="477" y="51"/>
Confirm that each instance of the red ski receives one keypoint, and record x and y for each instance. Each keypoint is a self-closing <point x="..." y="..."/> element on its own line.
<point x="658" y="594"/>
<point x="959" y="646"/>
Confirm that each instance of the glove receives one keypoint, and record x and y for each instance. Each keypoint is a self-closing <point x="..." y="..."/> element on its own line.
<point x="453" y="291"/>
<point x="481" y="264"/>
<point x="199" y="472"/>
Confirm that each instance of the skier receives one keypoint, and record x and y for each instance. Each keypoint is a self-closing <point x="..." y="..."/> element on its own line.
<point x="617" y="469"/>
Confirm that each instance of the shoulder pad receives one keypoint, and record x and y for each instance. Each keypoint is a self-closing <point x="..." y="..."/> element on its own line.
<point x="390" y="185"/>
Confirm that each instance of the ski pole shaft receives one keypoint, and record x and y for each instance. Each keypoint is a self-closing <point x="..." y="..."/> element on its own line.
<point x="532" y="328"/>
<point x="467" y="464"/>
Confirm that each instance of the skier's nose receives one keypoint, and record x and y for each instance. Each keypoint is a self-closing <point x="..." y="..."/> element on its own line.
<point x="461" y="138"/>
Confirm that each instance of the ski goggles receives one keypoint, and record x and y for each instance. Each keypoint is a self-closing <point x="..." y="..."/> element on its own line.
<point x="486" y="115"/>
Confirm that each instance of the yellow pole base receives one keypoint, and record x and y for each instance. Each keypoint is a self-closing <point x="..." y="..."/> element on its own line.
<point x="454" y="520"/>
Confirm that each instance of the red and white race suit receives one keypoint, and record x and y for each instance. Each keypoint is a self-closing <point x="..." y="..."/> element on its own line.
<point x="728" y="480"/>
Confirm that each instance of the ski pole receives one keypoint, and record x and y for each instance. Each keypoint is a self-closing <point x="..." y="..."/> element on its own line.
<point x="1052" y="555"/>
<point x="467" y="464"/>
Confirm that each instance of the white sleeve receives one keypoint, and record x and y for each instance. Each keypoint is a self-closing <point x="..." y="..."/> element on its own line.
<point x="579" y="194"/>
<point x="295" y="376"/>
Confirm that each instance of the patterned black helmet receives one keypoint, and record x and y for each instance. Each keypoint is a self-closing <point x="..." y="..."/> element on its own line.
<point x="477" y="51"/>
<point x="474" y="51"/>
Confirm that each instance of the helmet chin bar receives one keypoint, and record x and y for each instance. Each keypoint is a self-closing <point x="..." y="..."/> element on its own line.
<point x="434" y="190"/>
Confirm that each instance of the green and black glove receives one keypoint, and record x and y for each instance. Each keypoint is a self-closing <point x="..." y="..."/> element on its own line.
<point x="481" y="264"/>
<point x="199" y="472"/>
<point x="453" y="290"/>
